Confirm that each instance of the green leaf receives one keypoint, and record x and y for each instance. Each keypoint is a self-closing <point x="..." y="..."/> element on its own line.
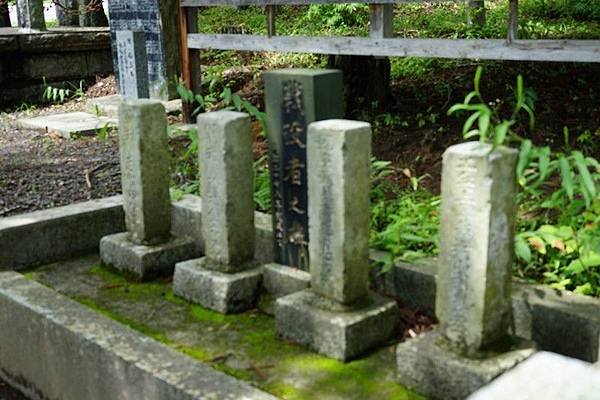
<point x="567" y="177"/>
<point x="500" y="132"/>
<point x="588" y="182"/>
<point x="237" y="102"/>
<point x="544" y="163"/>
<point x="522" y="249"/>
<point x="477" y="79"/>
<point x="524" y="153"/>
<point x="484" y="125"/>
<point x="470" y="121"/>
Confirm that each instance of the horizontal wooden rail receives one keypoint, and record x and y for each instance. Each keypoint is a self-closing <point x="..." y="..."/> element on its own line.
<point x="488" y="49"/>
<point x="202" y="3"/>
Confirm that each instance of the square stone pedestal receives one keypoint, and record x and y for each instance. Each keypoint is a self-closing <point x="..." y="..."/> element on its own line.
<point x="145" y="261"/>
<point x="218" y="291"/>
<point x="333" y="330"/>
<point x="428" y="367"/>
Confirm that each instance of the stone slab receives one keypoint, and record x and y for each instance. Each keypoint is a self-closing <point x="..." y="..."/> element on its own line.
<point x="55" y="348"/>
<point x="109" y="105"/>
<point x="341" y="333"/>
<point x="434" y="371"/>
<point x="68" y="124"/>
<point x="47" y="236"/>
<point x="218" y="291"/>
<point x="145" y="261"/>
<point x="281" y="280"/>
<point x="545" y="376"/>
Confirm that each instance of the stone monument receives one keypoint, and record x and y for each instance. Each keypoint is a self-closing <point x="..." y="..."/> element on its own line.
<point x="133" y="64"/>
<point x="147" y="248"/>
<point x="338" y="316"/>
<point x="294" y="98"/>
<point x="472" y="344"/>
<point x="30" y="14"/>
<point x="159" y="20"/>
<point x="228" y="278"/>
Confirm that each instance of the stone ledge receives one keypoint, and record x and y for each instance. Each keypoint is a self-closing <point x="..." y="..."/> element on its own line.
<point x="541" y="314"/>
<point x="84" y="355"/>
<point x="54" y="40"/>
<point x="222" y="292"/>
<point x="145" y="261"/>
<point x="56" y="234"/>
<point x="441" y="374"/>
<point x="545" y="376"/>
<point x="304" y="318"/>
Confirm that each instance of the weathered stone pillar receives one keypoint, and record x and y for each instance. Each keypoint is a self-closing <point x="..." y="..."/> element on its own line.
<point x="30" y="14"/>
<point x="227" y="279"/>
<point x="477" y="229"/>
<point x="147" y="246"/>
<point x="472" y="344"/>
<point x="133" y="64"/>
<point x="338" y="316"/>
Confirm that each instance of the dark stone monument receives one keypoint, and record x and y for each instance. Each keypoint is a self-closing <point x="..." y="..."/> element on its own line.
<point x="131" y="50"/>
<point x="158" y="20"/>
<point x="295" y="98"/>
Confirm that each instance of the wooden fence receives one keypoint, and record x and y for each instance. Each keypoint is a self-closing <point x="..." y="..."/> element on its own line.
<point x="379" y="43"/>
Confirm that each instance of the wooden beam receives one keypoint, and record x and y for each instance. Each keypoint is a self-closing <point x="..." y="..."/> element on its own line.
<point x="201" y="3"/>
<point x="489" y="49"/>
<point x="190" y="58"/>
<point x="381" y="21"/>
<point x="513" y="20"/>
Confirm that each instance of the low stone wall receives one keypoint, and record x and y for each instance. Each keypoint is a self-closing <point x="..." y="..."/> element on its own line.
<point x="557" y="321"/>
<point x="59" y="55"/>
<point x="54" y="348"/>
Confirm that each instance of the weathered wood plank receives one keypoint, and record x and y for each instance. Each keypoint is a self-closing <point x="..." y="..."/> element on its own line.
<point x="513" y="20"/>
<point x="489" y="49"/>
<point x="200" y="3"/>
<point x="381" y="21"/>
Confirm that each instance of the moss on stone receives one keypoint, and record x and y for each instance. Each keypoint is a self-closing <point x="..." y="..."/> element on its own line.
<point x="242" y="345"/>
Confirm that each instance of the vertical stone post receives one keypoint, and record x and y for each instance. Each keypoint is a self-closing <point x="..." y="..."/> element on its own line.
<point x="145" y="170"/>
<point x="227" y="279"/>
<point x="477" y="229"/>
<point x="133" y="64"/>
<point x="227" y="188"/>
<point x="147" y="247"/>
<point x="30" y="14"/>
<point x="338" y="206"/>
<point x="294" y="98"/>
<point x="338" y="316"/>
<point x="472" y="344"/>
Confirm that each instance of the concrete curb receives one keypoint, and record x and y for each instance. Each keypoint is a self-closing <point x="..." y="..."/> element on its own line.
<point x="540" y="313"/>
<point x="56" y="234"/>
<point x="54" y="348"/>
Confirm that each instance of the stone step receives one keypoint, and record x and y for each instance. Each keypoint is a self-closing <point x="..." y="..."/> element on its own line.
<point x="109" y="105"/>
<point x="68" y="124"/>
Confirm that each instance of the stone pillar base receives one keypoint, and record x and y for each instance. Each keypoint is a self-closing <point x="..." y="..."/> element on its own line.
<point x="145" y="261"/>
<point x="219" y="291"/>
<point x="438" y="373"/>
<point x="334" y="330"/>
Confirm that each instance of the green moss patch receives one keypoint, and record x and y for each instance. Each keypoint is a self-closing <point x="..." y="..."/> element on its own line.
<point x="242" y="345"/>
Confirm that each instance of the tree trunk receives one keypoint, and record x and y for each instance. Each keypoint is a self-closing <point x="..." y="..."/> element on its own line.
<point x="67" y="12"/>
<point x="366" y="81"/>
<point x="91" y="13"/>
<point x="4" y="14"/>
<point x="476" y="12"/>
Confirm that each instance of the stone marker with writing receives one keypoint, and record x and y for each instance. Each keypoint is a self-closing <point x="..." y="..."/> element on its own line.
<point x="472" y="344"/>
<point x="133" y="64"/>
<point x="147" y="247"/>
<point x="294" y="98"/>
<point x="227" y="279"/>
<point x="30" y="14"/>
<point x="159" y="21"/>
<point x="338" y="316"/>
